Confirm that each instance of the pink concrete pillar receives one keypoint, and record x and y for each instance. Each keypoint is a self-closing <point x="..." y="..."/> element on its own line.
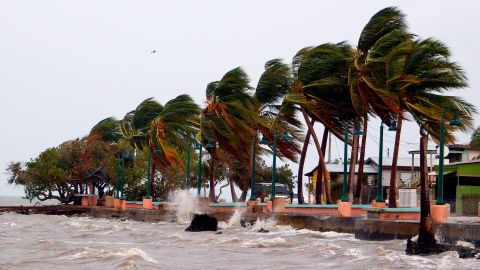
<point x="123" y="205"/>
<point x="250" y="205"/>
<point x="344" y="209"/>
<point x="116" y="203"/>
<point x="147" y="203"/>
<point x="109" y="201"/>
<point x="84" y="201"/>
<point x="269" y="206"/>
<point x="278" y="204"/>
<point x="92" y="201"/>
<point x="204" y="203"/>
<point x="439" y="213"/>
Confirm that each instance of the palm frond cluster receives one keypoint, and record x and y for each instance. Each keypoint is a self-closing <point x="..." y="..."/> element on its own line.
<point x="390" y="74"/>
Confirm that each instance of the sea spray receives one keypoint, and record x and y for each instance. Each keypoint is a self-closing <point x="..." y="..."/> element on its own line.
<point x="186" y="205"/>
<point x="235" y="219"/>
<point x="266" y="224"/>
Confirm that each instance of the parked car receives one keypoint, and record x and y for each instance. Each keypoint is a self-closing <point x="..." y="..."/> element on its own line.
<point x="263" y="190"/>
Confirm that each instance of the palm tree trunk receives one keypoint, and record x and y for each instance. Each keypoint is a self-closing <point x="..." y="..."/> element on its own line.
<point x="318" y="186"/>
<point x="319" y="150"/>
<point x="211" y="194"/>
<point x="243" y="196"/>
<point x="301" y="165"/>
<point x="353" y="162"/>
<point x="426" y="235"/>
<point x="232" y="191"/>
<point x="392" y="195"/>
<point x="358" y="190"/>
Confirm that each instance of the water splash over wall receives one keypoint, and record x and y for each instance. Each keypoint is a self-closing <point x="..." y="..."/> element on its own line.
<point x="235" y="219"/>
<point x="186" y="205"/>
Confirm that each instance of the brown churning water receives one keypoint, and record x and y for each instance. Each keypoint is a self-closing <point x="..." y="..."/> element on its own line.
<point x="59" y="242"/>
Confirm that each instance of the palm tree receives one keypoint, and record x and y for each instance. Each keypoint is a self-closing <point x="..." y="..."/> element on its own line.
<point x="107" y="129"/>
<point x="416" y="72"/>
<point x="321" y="90"/>
<point x="161" y="130"/>
<point x="385" y="29"/>
<point x="226" y="120"/>
<point x="276" y="114"/>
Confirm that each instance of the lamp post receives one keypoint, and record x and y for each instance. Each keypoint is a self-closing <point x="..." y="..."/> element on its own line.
<point x="198" y="147"/>
<point x="148" y="174"/>
<point x="187" y="180"/>
<point x="345" y="157"/>
<point x="252" y="175"/>
<point x="379" y="198"/>
<point x="454" y="122"/>
<point x="285" y="137"/>
<point x="121" y="180"/>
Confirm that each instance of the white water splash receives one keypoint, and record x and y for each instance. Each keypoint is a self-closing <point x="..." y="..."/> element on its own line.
<point x="235" y="219"/>
<point x="266" y="224"/>
<point x="186" y="203"/>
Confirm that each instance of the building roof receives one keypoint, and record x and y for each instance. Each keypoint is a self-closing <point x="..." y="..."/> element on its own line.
<point x="338" y="168"/>
<point x="463" y="147"/>
<point x="371" y="165"/>
<point x="401" y="162"/>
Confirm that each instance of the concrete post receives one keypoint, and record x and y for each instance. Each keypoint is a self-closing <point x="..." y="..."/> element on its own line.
<point x="109" y="201"/>
<point x="439" y="213"/>
<point x="278" y="205"/>
<point x="344" y="209"/>
<point x="147" y="203"/>
<point x="204" y="204"/>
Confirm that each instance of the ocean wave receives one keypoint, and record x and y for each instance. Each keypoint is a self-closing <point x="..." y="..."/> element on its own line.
<point x="265" y="242"/>
<point x="87" y="252"/>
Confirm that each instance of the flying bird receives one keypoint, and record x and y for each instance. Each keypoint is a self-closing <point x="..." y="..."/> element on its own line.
<point x="154" y="51"/>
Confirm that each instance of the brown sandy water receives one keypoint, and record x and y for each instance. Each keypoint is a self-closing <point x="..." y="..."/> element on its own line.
<point x="59" y="242"/>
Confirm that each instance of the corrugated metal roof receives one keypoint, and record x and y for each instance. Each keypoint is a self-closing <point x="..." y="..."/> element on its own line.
<point x="338" y="168"/>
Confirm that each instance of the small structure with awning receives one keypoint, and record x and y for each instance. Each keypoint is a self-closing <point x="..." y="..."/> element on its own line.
<point x="462" y="186"/>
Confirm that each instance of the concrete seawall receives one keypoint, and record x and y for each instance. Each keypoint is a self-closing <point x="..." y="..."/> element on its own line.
<point x="363" y="227"/>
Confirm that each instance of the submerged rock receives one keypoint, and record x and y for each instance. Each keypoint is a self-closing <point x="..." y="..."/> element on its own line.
<point x="24" y="211"/>
<point x="244" y="223"/>
<point x="262" y="230"/>
<point x="463" y="251"/>
<point x="202" y="222"/>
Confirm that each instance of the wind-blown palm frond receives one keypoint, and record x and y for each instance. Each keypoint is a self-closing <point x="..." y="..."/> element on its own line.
<point x="107" y="129"/>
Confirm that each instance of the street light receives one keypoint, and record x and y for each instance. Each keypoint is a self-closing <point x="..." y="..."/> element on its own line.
<point x="392" y="127"/>
<point x="123" y="156"/>
<point x="252" y="175"/>
<point x="198" y="146"/>
<point x="455" y="122"/>
<point x="285" y="137"/>
<point x="187" y="180"/>
<point x="357" y="132"/>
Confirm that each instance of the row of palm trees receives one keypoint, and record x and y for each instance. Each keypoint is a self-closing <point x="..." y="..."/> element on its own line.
<point x="390" y="74"/>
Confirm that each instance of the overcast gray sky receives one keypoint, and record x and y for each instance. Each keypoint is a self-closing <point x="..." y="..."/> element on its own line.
<point x="65" y="65"/>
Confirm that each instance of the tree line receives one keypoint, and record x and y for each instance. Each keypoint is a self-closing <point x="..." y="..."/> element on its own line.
<point x="390" y="74"/>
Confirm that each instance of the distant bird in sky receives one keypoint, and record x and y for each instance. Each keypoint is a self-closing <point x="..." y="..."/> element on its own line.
<point x="154" y="51"/>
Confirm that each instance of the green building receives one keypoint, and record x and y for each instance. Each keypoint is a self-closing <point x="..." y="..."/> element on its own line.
<point x="462" y="187"/>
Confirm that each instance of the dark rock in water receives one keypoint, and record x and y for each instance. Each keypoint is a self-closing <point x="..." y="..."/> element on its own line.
<point x="219" y="233"/>
<point x="23" y="212"/>
<point x="244" y="223"/>
<point x="463" y="252"/>
<point x="262" y="230"/>
<point x="202" y="222"/>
